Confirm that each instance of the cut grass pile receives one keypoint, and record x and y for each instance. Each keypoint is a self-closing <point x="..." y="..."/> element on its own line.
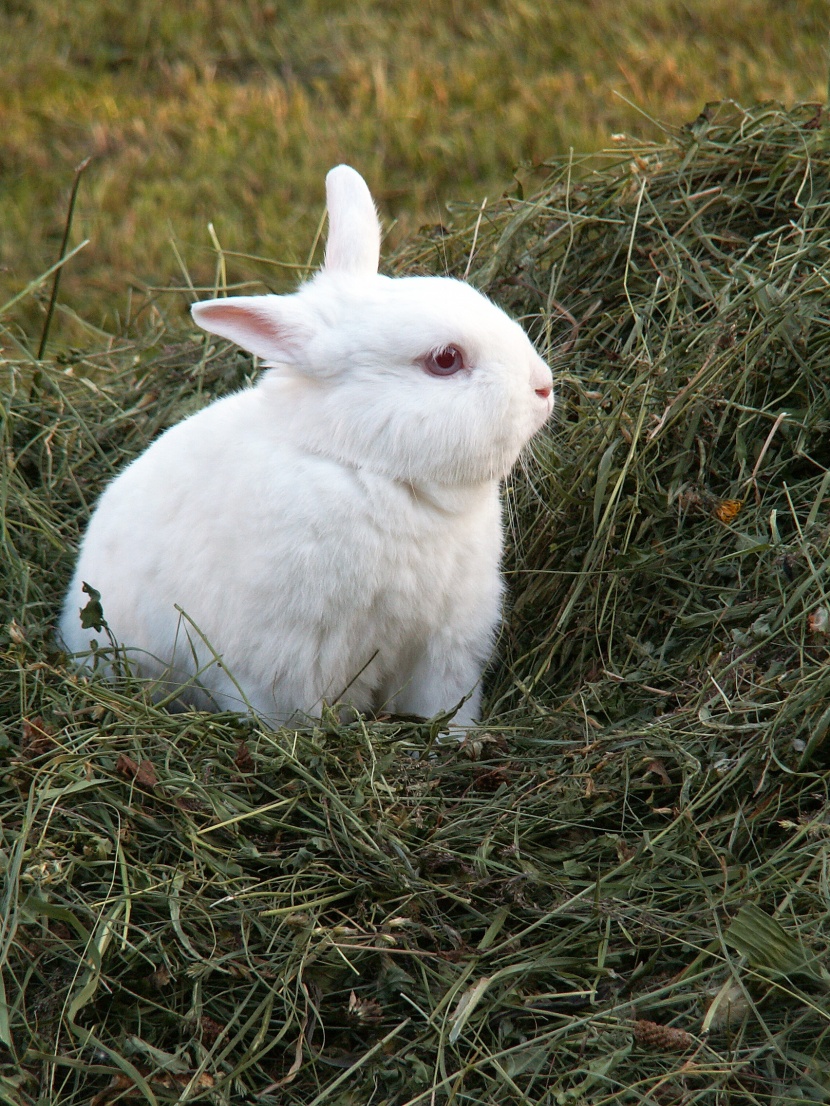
<point x="616" y="891"/>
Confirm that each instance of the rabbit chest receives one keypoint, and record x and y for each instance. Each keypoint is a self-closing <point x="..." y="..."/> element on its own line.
<point x="385" y="563"/>
<point x="417" y="550"/>
<point x="397" y="569"/>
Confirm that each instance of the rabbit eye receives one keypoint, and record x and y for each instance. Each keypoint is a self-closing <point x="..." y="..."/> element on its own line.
<point x="444" y="361"/>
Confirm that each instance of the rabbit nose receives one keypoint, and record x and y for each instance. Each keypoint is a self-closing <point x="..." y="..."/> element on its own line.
<point x="540" y="378"/>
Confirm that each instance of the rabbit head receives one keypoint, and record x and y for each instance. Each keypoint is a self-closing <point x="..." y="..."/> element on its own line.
<point x="421" y="379"/>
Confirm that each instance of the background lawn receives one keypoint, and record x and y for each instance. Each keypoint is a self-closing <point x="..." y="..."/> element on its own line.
<point x="231" y="113"/>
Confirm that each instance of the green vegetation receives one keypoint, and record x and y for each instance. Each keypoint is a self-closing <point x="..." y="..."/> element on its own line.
<point x="228" y="113"/>
<point x="616" y="892"/>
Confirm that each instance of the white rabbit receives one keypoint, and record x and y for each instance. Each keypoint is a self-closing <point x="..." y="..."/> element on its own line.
<point x="332" y="534"/>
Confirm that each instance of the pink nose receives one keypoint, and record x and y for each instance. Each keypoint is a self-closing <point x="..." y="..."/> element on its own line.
<point x="540" y="378"/>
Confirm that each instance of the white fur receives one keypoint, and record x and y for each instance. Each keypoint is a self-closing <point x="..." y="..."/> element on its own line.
<point x="333" y="533"/>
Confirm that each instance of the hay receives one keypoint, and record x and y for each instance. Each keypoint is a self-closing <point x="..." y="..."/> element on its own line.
<point x="618" y="891"/>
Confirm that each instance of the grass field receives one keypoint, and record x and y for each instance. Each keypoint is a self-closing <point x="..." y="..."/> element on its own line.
<point x="616" y="890"/>
<point x="230" y="114"/>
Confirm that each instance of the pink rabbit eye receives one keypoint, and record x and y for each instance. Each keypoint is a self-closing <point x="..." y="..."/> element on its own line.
<point x="444" y="361"/>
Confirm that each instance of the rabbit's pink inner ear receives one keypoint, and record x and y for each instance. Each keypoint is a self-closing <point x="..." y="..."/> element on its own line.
<point x="226" y="317"/>
<point x="257" y="323"/>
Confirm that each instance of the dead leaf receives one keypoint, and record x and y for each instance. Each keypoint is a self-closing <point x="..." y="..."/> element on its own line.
<point x="243" y="759"/>
<point x="36" y="739"/>
<point x="144" y="773"/>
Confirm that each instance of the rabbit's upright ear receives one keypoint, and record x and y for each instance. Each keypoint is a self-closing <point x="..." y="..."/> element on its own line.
<point x="272" y="327"/>
<point x="353" y="244"/>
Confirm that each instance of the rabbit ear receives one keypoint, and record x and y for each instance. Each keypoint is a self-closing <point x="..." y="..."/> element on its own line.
<point x="268" y="326"/>
<point x="353" y="244"/>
